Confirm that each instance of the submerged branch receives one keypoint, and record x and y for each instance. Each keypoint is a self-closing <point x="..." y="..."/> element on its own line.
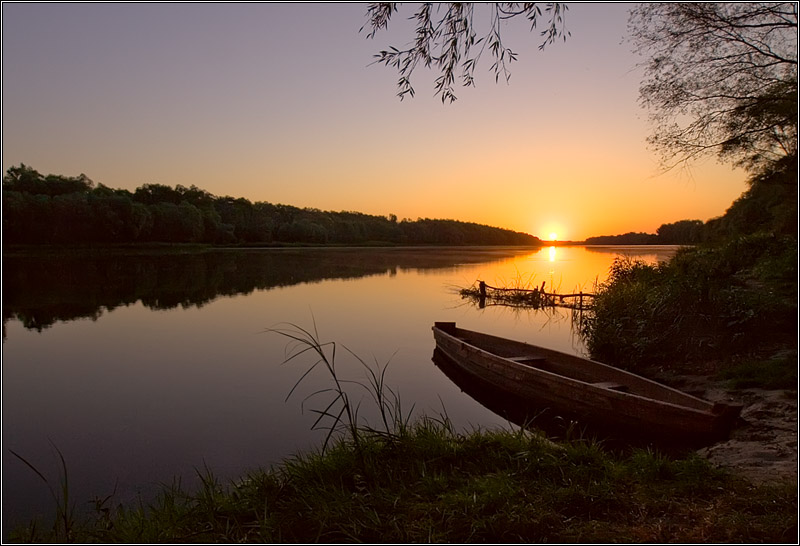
<point x="536" y="298"/>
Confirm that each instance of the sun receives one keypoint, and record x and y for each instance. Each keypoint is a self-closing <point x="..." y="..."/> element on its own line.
<point x="552" y="231"/>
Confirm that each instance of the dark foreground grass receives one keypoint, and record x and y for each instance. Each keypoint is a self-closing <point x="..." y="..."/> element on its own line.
<point x="431" y="484"/>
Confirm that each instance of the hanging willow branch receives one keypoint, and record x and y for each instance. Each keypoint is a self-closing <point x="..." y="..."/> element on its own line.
<point x="447" y="40"/>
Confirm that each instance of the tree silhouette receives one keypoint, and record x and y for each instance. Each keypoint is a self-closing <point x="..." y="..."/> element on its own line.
<point x="721" y="78"/>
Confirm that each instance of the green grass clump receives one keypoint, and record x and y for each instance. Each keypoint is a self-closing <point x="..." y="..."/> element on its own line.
<point x="777" y="372"/>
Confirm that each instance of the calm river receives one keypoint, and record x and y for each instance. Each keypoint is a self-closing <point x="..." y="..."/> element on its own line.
<point x="145" y="366"/>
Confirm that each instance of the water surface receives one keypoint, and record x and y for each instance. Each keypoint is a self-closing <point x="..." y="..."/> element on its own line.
<point x="146" y="366"/>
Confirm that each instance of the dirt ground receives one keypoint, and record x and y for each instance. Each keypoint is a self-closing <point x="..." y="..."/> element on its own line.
<point x="763" y="447"/>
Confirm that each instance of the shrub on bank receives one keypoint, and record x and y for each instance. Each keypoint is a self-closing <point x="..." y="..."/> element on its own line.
<point x="699" y="311"/>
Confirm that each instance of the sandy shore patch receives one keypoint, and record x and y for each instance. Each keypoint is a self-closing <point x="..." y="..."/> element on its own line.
<point x="763" y="447"/>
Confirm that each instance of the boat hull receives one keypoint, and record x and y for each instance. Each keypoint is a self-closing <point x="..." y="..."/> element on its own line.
<point x="604" y="398"/>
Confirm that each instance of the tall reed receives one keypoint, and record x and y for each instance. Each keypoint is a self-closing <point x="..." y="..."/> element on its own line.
<point x="65" y="513"/>
<point x="341" y="413"/>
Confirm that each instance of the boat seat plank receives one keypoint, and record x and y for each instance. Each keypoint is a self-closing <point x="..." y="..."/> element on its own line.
<point x="526" y="358"/>
<point x="611" y="386"/>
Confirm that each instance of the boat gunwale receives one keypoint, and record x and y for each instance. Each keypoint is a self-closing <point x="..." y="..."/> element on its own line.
<point x="561" y="378"/>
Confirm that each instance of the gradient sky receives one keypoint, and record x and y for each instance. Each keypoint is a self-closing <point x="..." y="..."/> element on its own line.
<point x="279" y="103"/>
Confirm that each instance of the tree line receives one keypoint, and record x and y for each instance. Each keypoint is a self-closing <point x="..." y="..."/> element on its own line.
<point x="56" y="209"/>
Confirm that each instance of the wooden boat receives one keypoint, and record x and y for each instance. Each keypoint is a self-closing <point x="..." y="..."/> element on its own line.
<point x="599" y="395"/>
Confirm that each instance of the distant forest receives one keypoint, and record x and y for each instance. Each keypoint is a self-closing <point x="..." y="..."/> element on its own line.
<point x="685" y="232"/>
<point x="56" y="209"/>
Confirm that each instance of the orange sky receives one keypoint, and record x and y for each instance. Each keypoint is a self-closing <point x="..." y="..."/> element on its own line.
<point x="279" y="103"/>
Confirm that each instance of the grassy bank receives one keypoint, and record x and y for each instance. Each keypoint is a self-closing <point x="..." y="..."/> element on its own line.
<point x="730" y="309"/>
<point x="431" y="484"/>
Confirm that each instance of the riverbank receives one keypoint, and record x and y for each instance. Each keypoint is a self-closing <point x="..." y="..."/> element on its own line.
<point x="432" y="484"/>
<point x="763" y="446"/>
<point x="715" y="320"/>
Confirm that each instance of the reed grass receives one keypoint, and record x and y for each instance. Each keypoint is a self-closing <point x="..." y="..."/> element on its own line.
<point x="341" y="415"/>
<point x="64" y="522"/>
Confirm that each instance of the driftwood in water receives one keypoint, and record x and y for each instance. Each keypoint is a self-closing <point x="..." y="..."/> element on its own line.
<point x="536" y="298"/>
